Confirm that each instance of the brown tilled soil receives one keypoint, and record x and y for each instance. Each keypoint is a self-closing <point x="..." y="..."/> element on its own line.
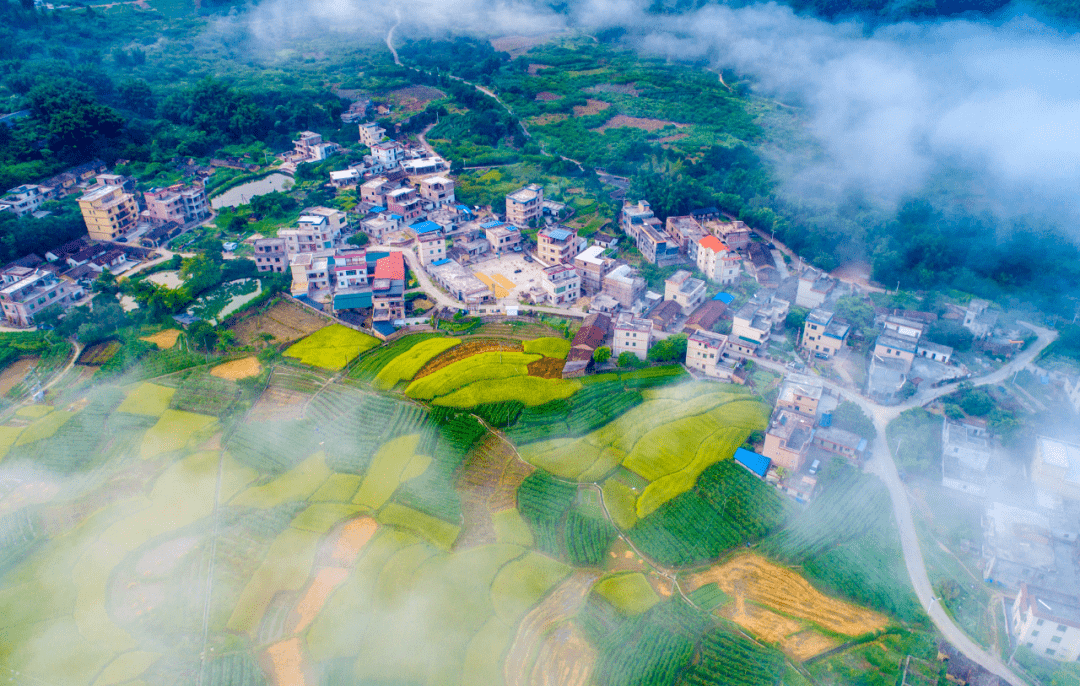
<point x="487" y="482"/>
<point x="590" y="107"/>
<point x="545" y="119"/>
<point x="621" y="120"/>
<point x="535" y="69"/>
<point x="285" y="321"/>
<point x="547" y="368"/>
<point x="15" y="372"/>
<point x="279" y="404"/>
<point x="237" y="369"/>
<point x="548" y="96"/>
<point x="467" y="349"/>
<point x="415" y="98"/>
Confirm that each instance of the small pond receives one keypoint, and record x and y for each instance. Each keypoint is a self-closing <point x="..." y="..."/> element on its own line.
<point x="242" y="194"/>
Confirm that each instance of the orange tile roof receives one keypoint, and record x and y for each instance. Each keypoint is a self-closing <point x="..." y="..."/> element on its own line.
<point x="713" y="243"/>
<point x="390" y="267"/>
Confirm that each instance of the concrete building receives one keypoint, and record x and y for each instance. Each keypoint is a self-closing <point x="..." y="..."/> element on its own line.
<point x="460" y="283"/>
<point x="801" y="394"/>
<point x="319" y="228"/>
<point x="904" y="326"/>
<point x="717" y="261"/>
<point x="1047" y="622"/>
<point x="1056" y="468"/>
<point x="633" y="216"/>
<point x="431" y="247"/>
<point x="632" y="335"/>
<point x="525" y="205"/>
<point x="933" y="351"/>
<point x="685" y="290"/>
<point x="311" y="147"/>
<point x="688" y="232"/>
<point x="657" y="247"/>
<point x="388" y="288"/>
<point x="405" y="203"/>
<point x="375" y="190"/>
<point x="814" y="287"/>
<point x="823" y="334"/>
<point x="27" y="291"/>
<point x="965" y="455"/>
<point x="379" y="227"/>
<point x="624" y="285"/>
<point x="23" y="200"/>
<point x="979" y="319"/>
<point x="562" y="284"/>
<point x="388" y="154"/>
<point x="734" y="234"/>
<point x="437" y="190"/>
<point x="371" y="134"/>
<point x="753" y="323"/>
<point x="502" y="237"/>
<point x="109" y="212"/>
<point x="592" y="267"/>
<point x="840" y="442"/>
<point x="311" y="272"/>
<point x="271" y="255"/>
<point x="788" y="440"/>
<point x="177" y="203"/>
<point x="706" y="352"/>
<point x="898" y="347"/>
<point x="558" y="245"/>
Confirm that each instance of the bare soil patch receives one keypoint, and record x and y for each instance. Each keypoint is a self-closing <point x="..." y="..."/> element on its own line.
<point x="163" y="339"/>
<point x="535" y="69"/>
<point x="414" y="98"/>
<point x="590" y="107"/>
<point x="621" y="120"/>
<point x="545" y="119"/>
<point x="237" y="369"/>
<point x="548" y="96"/>
<point x="519" y="45"/>
<point x="15" y="372"/>
<point x="99" y="353"/>
<point x="488" y="482"/>
<point x="285" y="321"/>
<point x="547" y="368"/>
<point x="279" y="404"/>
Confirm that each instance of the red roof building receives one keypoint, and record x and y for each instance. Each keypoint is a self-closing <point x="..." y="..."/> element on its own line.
<point x="390" y="267"/>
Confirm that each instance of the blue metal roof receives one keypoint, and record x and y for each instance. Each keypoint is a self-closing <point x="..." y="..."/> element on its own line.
<point x="349" y="301"/>
<point x="490" y="225"/>
<point x="758" y="464"/>
<point x="396" y="216"/>
<point x="378" y="208"/>
<point x="425" y="227"/>
<point x="725" y="298"/>
<point x="560" y="234"/>
<point x="375" y="256"/>
<point x="826" y="420"/>
<point x="439" y="263"/>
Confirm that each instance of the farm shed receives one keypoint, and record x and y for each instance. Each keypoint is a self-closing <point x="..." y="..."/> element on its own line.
<point x="758" y="464"/>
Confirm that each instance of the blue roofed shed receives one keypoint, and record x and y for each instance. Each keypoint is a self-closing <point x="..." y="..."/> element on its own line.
<point x="425" y="227"/>
<point x="725" y="298"/>
<point x="758" y="464"/>
<point x="559" y="234"/>
<point x="352" y="301"/>
<point x="491" y="225"/>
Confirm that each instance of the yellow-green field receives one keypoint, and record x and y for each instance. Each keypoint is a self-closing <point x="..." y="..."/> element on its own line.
<point x="332" y="347"/>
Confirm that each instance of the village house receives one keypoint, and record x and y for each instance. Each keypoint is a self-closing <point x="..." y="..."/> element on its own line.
<point x="632" y="335"/>
<point x="379" y="226"/>
<point x="345" y="177"/>
<point x="800" y="393"/>
<point x="788" y="439"/>
<point x="814" y="287"/>
<point x="371" y="134"/>
<point x="27" y="291"/>
<point x="707" y="315"/>
<point x="375" y="190"/>
<point x="903" y="326"/>
<point x="502" y="237"/>
<point x="423" y="165"/>
<point x="109" y="212"/>
<point x="979" y="319"/>
<point x="761" y="264"/>
<point x="387" y="155"/>
<point x="158" y="236"/>
<point x="687" y="232"/>
<point x="643" y="228"/>
<point x="388" y="288"/>
<point x="823" y="333"/>
<point x="706" y="352"/>
<point x="753" y="323"/>
<point x="1056" y="468"/>
<point x="592" y="267"/>
<point x="895" y="346"/>
<point x="624" y="285"/>
<point x="665" y="315"/>
<point x="460" y="283"/>
<point x="717" y="261"/>
<point x="431" y="247"/>
<point x="177" y="203"/>
<point x="841" y="442"/>
<point x="934" y="351"/>
<point x="311" y="273"/>
<point x="965" y="455"/>
<point x="271" y="255"/>
<point x="1047" y="622"/>
<point x="593" y="333"/>
<point x="437" y="190"/>
<point x="404" y="203"/>
<point x="734" y="234"/>
<point x="558" y="245"/>
<point x="561" y="284"/>
<point x="311" y="147"/>
<point x="22" y="200"/>
<point x="685" y="290"/>
<point x="605" y="240"/>
<point x="525" y="206"/>
<point x="357" y="112"/>
<point x="319" y="228"/>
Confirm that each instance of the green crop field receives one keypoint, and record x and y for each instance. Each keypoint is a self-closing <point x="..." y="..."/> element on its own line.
<point x="149" y="399"/>
<point x="404" y="366"/>
<point x="331" y="347"/>
<point x="481" y="367"/>
<point x="629" y="593"/>
<point x="549" y="347"/>
<point x="528" y="390"/>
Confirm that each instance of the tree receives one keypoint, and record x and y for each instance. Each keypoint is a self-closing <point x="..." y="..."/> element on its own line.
<point x="203" y="335"/>
<point x="796" y="318"/>
<point x="855" y="311"/>
<point x="850" y="417"/>
<point x="359" y="239"/>
<point x="601" y="354"/>
<point x="628" y="359"/>
<point x="671" y="349"/>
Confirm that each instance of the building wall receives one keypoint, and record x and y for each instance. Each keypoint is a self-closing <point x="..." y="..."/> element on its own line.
<point x="431" y="250"/>
<point x="1046" y="637"/>
<point x="635" y="342"/>
<point x="776" y="450"/>
<point x="109" y="216"/>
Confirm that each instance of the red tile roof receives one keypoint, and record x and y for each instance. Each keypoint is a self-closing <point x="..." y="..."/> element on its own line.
<point x="713" y="243"/>
<point x="390" y="267"/>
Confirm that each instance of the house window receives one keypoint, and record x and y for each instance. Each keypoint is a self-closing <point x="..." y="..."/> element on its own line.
<point x="1049" y="651"/>
<point x="1056" y="639"/>
<point x="1035" y="633"/>
<point x="1039" y="623"/>
<point x="1062" y="627"/>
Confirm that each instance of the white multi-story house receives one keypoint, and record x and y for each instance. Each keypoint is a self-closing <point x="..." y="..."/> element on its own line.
<point x="525" y="205"/>
<point x="431" y="247"/>
<point x="371" y="134"/>
<point x="632" y="335"/>
<point x="438" y="190"/>
<point x="717" y="262"/>
<point x="319" y="228"/>
<point x="562" y="284"/>
<point x="24" y="199"/>
<point x="685" y="290"/>
<point x="706" y="352"/>
<point x="1047" y="622"/>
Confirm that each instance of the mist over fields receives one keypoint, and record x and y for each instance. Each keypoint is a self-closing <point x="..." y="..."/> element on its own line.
<point x="890" y="106"/>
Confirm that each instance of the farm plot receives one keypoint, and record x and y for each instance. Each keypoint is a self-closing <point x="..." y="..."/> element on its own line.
<point x="285" y="321"/>
<point x="433" y="492"/>
<point x="394" y="463"/>
<point x="733" y="660"/>
<point x="548" y="347"/>
<point x="479" y="367"/>
<point x="469" y="348"/>
<point x="149" y="399"/>
<point x="174" y="431"/>
<point x="404" y="366"/>
<point x="372" y="362"/>
<point x="630" y="593"/>
<point x="562" y="524"/>
<point x="235" y="370"/>
<point x="332" y="347"/>
<point x="164" y="339"/>
<point x="488" y="482"/>
<point x="727" y="507"/>
<point x="99" y="353"/>
<point x="206" y="394"/>
<point x="781" y="589"/>
<point x="665" y="453"/>
<point x="528" y="390"/>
